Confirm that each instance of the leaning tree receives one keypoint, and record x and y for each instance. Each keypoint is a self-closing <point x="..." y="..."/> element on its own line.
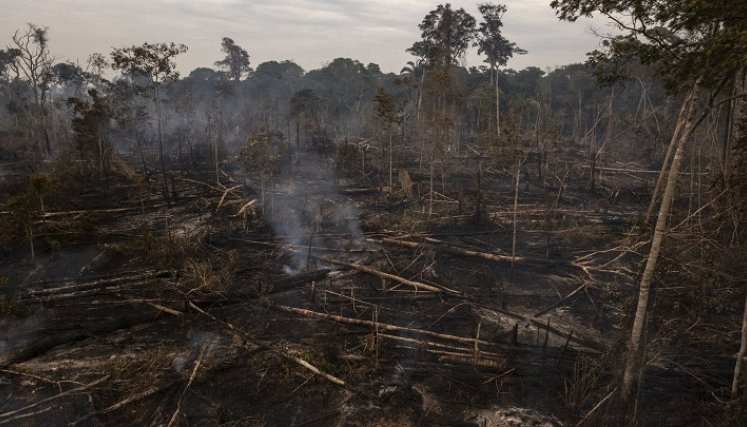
<point x="697" y="47"/>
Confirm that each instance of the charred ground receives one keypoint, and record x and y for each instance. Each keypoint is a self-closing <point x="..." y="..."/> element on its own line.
<point x="306" y="301"/>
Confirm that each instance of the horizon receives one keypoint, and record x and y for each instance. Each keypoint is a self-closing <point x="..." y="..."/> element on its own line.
<point x="315" y="31"/>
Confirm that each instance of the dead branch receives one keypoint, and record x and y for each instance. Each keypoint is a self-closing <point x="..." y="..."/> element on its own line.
<point x="402" y="280"/>
<point x="442" y="246"/>
<point x="148" y="392"/>
<point x="245" y="207"/>
<point x="378" y="325"/>
<point x="264" y="346"/>
<point x="6" y="417"/>
<point x="595" y="408"/>
<point x="192" y="377"/>
<point x="561" y="301"/>
<point x="225" y="193"/>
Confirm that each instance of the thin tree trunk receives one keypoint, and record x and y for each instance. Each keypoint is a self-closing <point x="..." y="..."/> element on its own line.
<point x="665" y="164"/>
<point x="430" y="186"/>
<point x="31" y="243"/>
<point x="497" y="105"/>
<point x="633" y="356"/>
<point x="391" y="188"/>
<point x="516" y="208"/>
<point x="160" y="150"/>
<point x="420" y="95"/>
<point x="740" y="355"/>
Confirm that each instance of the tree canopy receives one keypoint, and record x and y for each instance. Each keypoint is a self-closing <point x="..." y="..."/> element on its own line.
<point x="446" y="35"/>
<point x="236" y="62"/>
<point x="490" y="40"/>
<point x="685" y="39"/>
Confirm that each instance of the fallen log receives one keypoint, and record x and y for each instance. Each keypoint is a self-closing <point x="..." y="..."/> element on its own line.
<point x="264" y="346"/>
<point x="377" y="325"/>
<point x="7" y="417"/>
<point x="192" y="377"/>
<point x="225" y="193"/>
<point x="43" y="345"/>
<point x="398" y="279"/>
<point x="442" y="246"/>
<point x="74" y="285"/>
<point x="561" y="301"/>
<point x="134" y="398"/>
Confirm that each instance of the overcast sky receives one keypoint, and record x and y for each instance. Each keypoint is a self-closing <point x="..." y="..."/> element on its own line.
<point x="309" y="32"/>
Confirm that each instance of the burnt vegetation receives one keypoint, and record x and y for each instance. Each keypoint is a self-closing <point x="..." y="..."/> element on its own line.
<point x="342" y="246"/>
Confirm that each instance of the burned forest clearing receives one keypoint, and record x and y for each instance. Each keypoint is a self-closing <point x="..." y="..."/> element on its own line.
<point x="443" y="246"/>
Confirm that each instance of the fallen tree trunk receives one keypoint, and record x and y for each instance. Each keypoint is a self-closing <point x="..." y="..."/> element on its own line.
<point x="398" y="279"/>
<point x="264" y="346"/>
<point x="378" y="325"/>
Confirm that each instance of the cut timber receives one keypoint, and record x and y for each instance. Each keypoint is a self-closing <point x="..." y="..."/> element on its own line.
<point x="561" y="301"/>
<point x="192" y="377"/>
<point x="442" y="246"/>
<point x="245" y="207"/>
<point x="225" y="193"/>
<point x="402" y="280"/>
<point x="439" y="245"/>
<point x="378" y="325"/>
<point x="134" y="398"/>
<point x="43" y="345"/>
<point x="10" y="416"/>
<point x="264" y="346"/>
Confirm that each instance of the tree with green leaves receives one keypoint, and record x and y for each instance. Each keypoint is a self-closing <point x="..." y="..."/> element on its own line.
<point x="497" y="49"/>
<point x="236" y="62"/>
<point x="148" y="66"/>
<point x="695" y="46"/>
<point x="446" y="35"/>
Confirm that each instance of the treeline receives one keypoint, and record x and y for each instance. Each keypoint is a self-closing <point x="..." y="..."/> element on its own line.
<point x="47" y="109"/>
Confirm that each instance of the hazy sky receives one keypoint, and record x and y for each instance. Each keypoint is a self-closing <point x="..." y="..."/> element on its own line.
<point x="309" y="32"/>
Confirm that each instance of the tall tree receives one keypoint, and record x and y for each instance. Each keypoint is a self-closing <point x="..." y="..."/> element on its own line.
<point x="497" y="49"/>
<point x="446" y="35"/>
<point x="692" y="44"/>
<point x="236" y="62"/>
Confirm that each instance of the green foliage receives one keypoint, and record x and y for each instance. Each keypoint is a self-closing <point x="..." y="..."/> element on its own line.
<point x="153" y="61"/>
<point x="386" y="108"/>
<point x="490" y="40"/>
<point x="236" y="62"/>
<point x="446" y="35"/>
<point x="90" y="123"/>
<point x="685" y="39"/>
<point x="284" y="70"/>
